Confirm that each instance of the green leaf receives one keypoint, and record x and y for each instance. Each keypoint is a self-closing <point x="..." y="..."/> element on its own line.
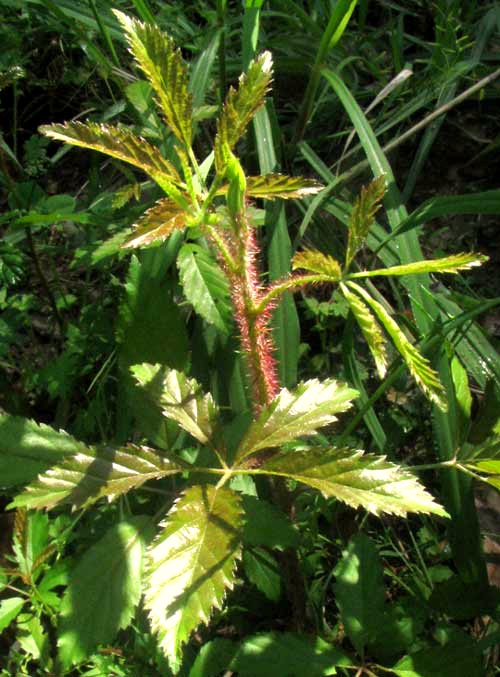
<point x="240" y="106"/>
<point x="290" y="415"/>
<point x="316" y="262"/>
<point x="124" y="145"/>
<point x="362" y="216"/>
<point x="103" y="590"/>
<point x="268" y="526"/>
<point x="93" y="473"/>
<point x="205" y="286"/>
<point x="28" y="448"/>
<point x="271" y="186"/>
<point x="448" y="264"/>
<point x="353" y="477"/>
<point x="370" y="328"/>
<point x="157" y="223"/>
<point x="420" y="368"/>
<point x="31" y="542"/>
<point x="191" y="563"/>
<point x="162" y="63"/>
<point x="359" y="591"/>
<point x="9" y="609"/>
<point x="213" y="658"/>
<point x="263" y="571"/>
<point x="456" y="659"/>
<point x="181" y="399"/>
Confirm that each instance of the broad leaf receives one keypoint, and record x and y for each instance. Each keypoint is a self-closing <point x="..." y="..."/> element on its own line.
<point x="363" y="215"/>
<point x="104" y="589"/>
<point x="28" y="448"/>
<point x="124" y="145"/>
<point x="95" y="472"/>
<point x="359" y="591"/>
<point x="181" y="399"/>
<point x="316" y="262"/>
<point x="370" y="328"/>
<point x="157" y="223"/>
<point x="162" y="63"/>
<point x="272" y="186"/>
<point x="240" y="106"/>
<point x="191" y="563"/>
<point x="462" y="658"/>
<point x="268" y="526"/>
<point x="205" y="286"/>
<point x="290" y="415"/>
<point x="419" y="366"/>
<point x="448" y="264"/>
<point x="263" y="571"/>
<point x="9" y="609"/>
<point x="357" y="479"/>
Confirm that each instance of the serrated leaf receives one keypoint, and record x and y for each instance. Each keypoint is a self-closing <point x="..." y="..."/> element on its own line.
<point x="271" y="186"/>
<point x="181" y="399"/>
<point x="191" y="563"/>
<point x="103" y="590"/>
<point x="240" y="106"/>
<point x="317" y="262"/>
<point x="28" y="448"/>
<point x="448" y="264"/>
<point x="93" y="473"/>
<point x="124" y="145"/>
<point x="362" y="216"/>
<point x="262" y="570"/>
<point x="290" y="415"/>
<point x="489" y="449"/>
<point x="420" y="368"/>
<point x="157" y="56"/>
<point x="205" y="286"/>
<point x="157" y="223"/>
<point x="370" y="328"/>
<point x="356" y="478"/>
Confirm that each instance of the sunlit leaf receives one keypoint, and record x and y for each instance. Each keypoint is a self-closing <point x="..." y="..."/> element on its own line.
<point x="240" y="106"/>
<point x="419" y="366"/>
<point x="191" y="563"/>
<point x="9" y="609"/>
<point x="358" y="479"/>
<point x="181" y="399"/>
<point x="316" y="262"/>
<point x="370" y="328"/>
<point x="95" y="472"/>
<point x="162" y="63"/>
<point x="271" y="186"/>
<point x="362" y="216"/>
<point x="157" y="223"/>
<point x="205" y="286"/>
<point x="448" y="264"/>
<point x="124" y="145"/>
<point x="310" y="406"/>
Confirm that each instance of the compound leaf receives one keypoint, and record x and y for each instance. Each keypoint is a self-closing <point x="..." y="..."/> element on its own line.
<point x="271" y="186"/>
<point x="95" y="472"/>
<point x="316" y="262"/>
<point x="191" y="563"/>
<point x="157" y="56"/>
<point x="157" y="223"/>
<point x="357" y="479"/>
<point x="362" y="216"/>
<point x="310" y="406"/>
<point x="205" y="286"/>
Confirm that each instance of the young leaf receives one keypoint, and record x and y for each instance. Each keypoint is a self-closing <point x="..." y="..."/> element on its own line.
<point x="124" y="145"/>
<point x="285" y="187"/>
<point x="191" y="563"/>
<point x="95" y="472"/>
<point x="357" y="479"/>
<point x="240" y="106"/>
<point x="418" y="365"/>
<point x="448" y="264"/>
<point x="316" y="262"/>
<point x="181" y="399"/>
<point x="157" y="223"/>
<point x="156" y="55"/>
<point x="103" y="591"/>
<point x="370" y="328"/>
<point x="362" y="216"/>
<point x="205" y="286"/>
<point x="310" y="406"/>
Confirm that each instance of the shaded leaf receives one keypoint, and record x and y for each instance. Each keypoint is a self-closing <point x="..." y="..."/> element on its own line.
<point x="93" y="473"/>
<point x="448" y="264"/>
<point x="456" y="659"/>
<point x="290" y="415"/>
<point x="103" y="590"/>
<point x="419" y="366"/>
<point x="271" y="186"/>
<point x="263" y="571"/>
<point x="205" y="286"/>
<point x="157" y="223"/>
<point x="316" y="262"/>
<point x="191" y="563"/>
<point x="124" y="145"/>
<point x="240" y="106"/>
<point x="157" y="56"/>
<point x="268" y="526"/>
<point x="356" y="478"/>
<point x="489" y="449"/>
<point x="362" y="216"/>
